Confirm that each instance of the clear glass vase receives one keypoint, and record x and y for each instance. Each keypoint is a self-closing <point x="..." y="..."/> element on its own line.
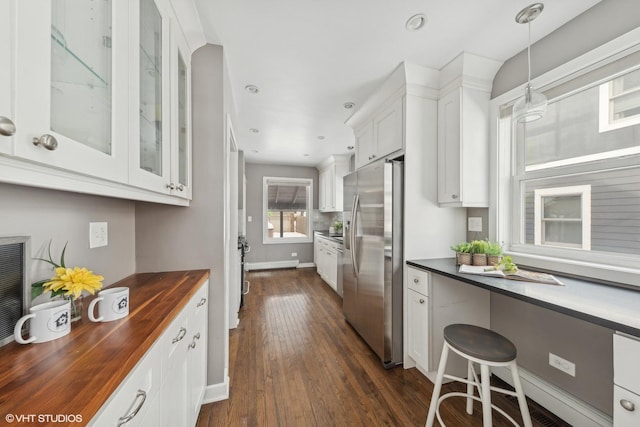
<point x="76" y="308"/>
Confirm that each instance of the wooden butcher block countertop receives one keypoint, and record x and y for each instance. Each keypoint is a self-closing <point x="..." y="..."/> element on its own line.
<point x="76" y="374"/>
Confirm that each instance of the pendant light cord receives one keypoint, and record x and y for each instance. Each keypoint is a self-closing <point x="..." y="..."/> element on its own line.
<point x="529" y="54"/>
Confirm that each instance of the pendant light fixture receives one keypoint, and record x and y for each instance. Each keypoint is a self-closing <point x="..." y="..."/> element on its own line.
<point x="533" y="104"/>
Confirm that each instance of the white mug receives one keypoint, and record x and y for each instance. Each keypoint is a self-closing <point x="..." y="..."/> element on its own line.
<point x="114" y="305"/>
<point x="49" y="321"/>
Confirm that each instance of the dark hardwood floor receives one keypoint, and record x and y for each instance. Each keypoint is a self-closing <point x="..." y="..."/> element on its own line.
<point x="294" y="361"/>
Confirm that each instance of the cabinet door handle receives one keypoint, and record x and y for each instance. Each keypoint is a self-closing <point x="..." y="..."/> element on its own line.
<point x="180" y="187"/>
<point x="193" y="343"/>
<point x="454" y="196"/>
<point x="47" y="141"/>
<point x="416" y="280"/>
<point x="202" y="302"/>
<point x="628" y="405"/>
<point x="421" y="301"/>
<point x="141" y="396"/>
<point x="171" y="186"/>
<point x="7" y="127"/>
<point x="181" y="335"/>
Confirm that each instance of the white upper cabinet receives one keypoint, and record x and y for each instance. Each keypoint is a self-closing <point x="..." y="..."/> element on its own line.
<point x="99" y="92"/>
<point x="382" y="135"/>
<point x="330" y="182"/>
<point x="463" y="132"/>
<point x="71" y="86"/>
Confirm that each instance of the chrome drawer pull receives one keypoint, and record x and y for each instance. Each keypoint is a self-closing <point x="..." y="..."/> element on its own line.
<point x="202" y="302"/>
<point x="141" y="396"/>
<point x="47" y="141"/>
<point x="628" y="405"/>
<point x="181" y="335"/>
<point x="416" y="280"/>
<point x="421" y="301"/>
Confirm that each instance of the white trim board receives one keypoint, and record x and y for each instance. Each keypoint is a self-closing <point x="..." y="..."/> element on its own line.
<point x="216" y="392"/>
<point x="559" y="402"/>
<point x="269" y="265"/>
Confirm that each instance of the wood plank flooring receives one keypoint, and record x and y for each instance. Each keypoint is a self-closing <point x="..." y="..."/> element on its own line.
<point x="294" y="361"/>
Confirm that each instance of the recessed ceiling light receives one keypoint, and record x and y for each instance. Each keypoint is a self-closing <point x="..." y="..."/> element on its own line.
<point x="254" y="130"/>
<point x="416" y="22"/>
<point x="320" y="137"/>
<point x="252" y="89"/>
<point x="306" y="155"/>
<point x="350" y="147"/>
<point x="349" y="105"/>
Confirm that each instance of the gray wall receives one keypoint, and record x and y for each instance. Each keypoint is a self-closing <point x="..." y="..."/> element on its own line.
<point x="59" y="216"/>
<point x="602" y="23"/>
<point x="177" y="238"/>
<point x="274" y="252"/>
<point x="537" y="330"/>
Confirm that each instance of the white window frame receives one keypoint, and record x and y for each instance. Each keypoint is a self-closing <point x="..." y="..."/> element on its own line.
<point x="606" y="120"/>
<point x="584" y="191"/>
<point x="506" y="207"/>
<point x="265" y="216"/>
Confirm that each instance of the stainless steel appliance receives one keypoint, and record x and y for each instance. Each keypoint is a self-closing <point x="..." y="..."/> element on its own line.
<point x="372" y="259"/>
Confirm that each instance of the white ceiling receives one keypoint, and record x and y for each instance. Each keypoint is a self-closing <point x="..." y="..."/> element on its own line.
<point x="309" y="57"/>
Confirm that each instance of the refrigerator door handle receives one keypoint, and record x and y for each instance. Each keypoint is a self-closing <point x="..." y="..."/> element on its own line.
<point x="354" y="231"/>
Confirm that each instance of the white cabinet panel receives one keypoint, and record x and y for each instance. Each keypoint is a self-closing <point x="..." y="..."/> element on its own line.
<point x="381" y="135"/>
<point x="365" y="147"/>
<point x="626" y="408"/>
<point x="72" y="83"/>
<point x="418" y="329"/>
<point x="626" y="378"/>
<point x="330" y="182"/>
<point x="463" y="147"/>
<point x="7" y="115"/>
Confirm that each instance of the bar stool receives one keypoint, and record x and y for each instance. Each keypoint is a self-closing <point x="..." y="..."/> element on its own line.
<point x="487" y="348"/>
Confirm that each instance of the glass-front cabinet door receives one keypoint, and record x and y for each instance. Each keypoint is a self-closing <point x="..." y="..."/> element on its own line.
<point x="150" y="132"/>
<point x="181" y="124"/>
<point x="7" y="125"/>
<point x="72" y="85"/>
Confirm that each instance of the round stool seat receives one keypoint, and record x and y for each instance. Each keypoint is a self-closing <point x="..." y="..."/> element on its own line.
<point x="480" y="343"/>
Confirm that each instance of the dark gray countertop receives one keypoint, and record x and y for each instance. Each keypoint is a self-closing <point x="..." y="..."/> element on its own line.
<point x="325" y="233"/>
<point x="613" y="307"/>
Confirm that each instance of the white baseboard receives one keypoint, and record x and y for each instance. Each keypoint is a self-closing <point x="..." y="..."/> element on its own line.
<point x="306" y="265"/>
<point x="271" y="265"/>
<point x="556" y="400"/>
<point x="216" y="392"/>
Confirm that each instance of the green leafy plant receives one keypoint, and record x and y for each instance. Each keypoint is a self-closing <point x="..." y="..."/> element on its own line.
<point x="507" y="265"/>
<point x="479" y="246"/>
<point x="494" y="249"/>
<point x="463" y="248"/>
<point x="337" y="226"/>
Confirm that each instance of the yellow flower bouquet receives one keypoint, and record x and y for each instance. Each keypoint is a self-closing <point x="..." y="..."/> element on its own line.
<point x="67" y="282"/>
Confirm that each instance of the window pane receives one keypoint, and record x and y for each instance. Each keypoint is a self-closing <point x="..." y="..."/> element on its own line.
<point x="288" y="224"/>
<point x="562" y="232"/>
<point x="287" y="197"/>
<point x="571" y="129"/>
<point x="183" y="155"/>
<point x="287" y="206"/>
<point x="562" y="207"/>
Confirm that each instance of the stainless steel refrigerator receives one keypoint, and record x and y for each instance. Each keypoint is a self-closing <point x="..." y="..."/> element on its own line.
<point x="372" y="258"/>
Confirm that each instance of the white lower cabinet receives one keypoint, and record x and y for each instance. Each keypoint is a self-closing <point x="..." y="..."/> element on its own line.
<point x="326" y="256"/>
<point x="433" y="302"/>
<point x="418" y="339"/>
<point x="626" y="378"/>
<point x="167" y="386"/>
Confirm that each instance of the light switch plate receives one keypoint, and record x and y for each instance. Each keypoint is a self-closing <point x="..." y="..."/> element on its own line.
<point x="474" y="223"/>
<point x="98" y="234"/>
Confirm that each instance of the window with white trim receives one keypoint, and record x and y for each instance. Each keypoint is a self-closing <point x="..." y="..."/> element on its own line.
<point x="287" y="205"/>
<point x="568" y="191"/>
<point x="562" y="217"/>
<point x="620" y="102"/>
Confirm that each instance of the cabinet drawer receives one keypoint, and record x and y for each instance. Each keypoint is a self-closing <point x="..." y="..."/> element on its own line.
<point x="136" y="393"/>
<point x="418" y="281"/>
<point x="626" y="353"/>
<point x="626" y="408"/>
<point x="174" y="342"/>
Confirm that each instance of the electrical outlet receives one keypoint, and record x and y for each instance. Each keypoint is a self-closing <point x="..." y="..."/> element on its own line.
<point x="98" y="234"/>
<point x="249" y="218"/>
<point x="562" y="364"/>
<point x="474" y="223"/>
<point x="294" y="253"/>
